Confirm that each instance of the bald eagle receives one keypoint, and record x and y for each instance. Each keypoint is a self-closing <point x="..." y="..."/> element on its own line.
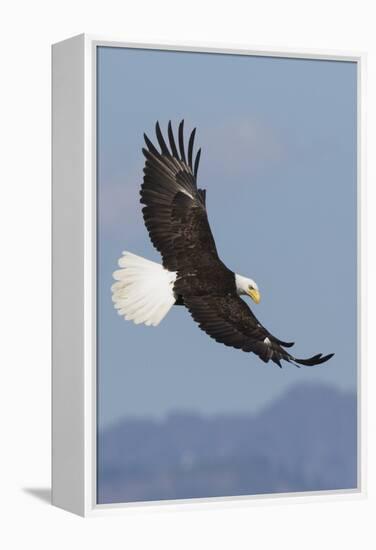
<point x="192" y="273"/>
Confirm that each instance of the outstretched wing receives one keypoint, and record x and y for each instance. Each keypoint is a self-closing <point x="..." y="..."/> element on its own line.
<point x="230" y="321"/>
<point x="175" y="212"/>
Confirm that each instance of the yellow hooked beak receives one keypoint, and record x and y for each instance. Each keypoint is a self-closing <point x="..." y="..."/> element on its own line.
<point x="254" y="294"/>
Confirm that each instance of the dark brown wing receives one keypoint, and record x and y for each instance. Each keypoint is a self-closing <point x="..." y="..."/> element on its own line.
<point x="230" y="321"/>
<point x="175" y="212"/>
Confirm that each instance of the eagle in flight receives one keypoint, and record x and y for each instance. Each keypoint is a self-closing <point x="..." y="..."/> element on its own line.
<point x="192" y="273"/>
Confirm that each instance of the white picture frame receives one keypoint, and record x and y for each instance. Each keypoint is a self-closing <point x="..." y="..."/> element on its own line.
<point x="74" y="276"/>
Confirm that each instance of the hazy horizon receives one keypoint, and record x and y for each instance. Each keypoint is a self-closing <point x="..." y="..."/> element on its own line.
<point x="304" y="441"/>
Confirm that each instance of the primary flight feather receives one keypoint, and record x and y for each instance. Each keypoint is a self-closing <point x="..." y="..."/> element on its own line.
<point x="191" y="274"/>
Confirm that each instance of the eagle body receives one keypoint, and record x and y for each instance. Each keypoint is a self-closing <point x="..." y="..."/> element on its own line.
<point x="192" y="273"/>
<point x="199" y="282"/>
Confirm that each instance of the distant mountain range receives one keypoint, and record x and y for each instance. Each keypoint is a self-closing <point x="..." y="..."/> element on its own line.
<point x="305" y="441"/>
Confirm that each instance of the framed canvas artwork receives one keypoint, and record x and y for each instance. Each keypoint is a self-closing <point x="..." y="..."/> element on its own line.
<point x="206" y="275"/>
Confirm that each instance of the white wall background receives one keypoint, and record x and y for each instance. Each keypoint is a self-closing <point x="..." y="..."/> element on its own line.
<point x="27" y="30"/>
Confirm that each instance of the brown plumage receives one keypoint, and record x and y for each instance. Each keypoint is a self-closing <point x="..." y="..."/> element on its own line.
<point x="176" y="218"/>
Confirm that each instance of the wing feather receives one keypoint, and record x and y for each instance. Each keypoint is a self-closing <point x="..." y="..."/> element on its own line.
<point x="197" y="162"/>
<point x="161" y="141"/>
<point x="190" y="147"/>
<point x="172" y="141"/>
<point x="181" y="141"/>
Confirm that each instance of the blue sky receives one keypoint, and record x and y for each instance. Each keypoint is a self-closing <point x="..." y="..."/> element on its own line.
<point x="278" y="140"/>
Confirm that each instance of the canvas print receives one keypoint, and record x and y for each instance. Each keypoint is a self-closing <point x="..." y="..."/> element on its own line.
<point x="227" y="275"/>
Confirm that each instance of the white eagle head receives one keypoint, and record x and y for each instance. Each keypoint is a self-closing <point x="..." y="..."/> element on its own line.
<point x="245" y="285"/>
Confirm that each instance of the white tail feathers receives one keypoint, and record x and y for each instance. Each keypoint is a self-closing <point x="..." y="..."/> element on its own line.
<point x="143" y="292"/>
